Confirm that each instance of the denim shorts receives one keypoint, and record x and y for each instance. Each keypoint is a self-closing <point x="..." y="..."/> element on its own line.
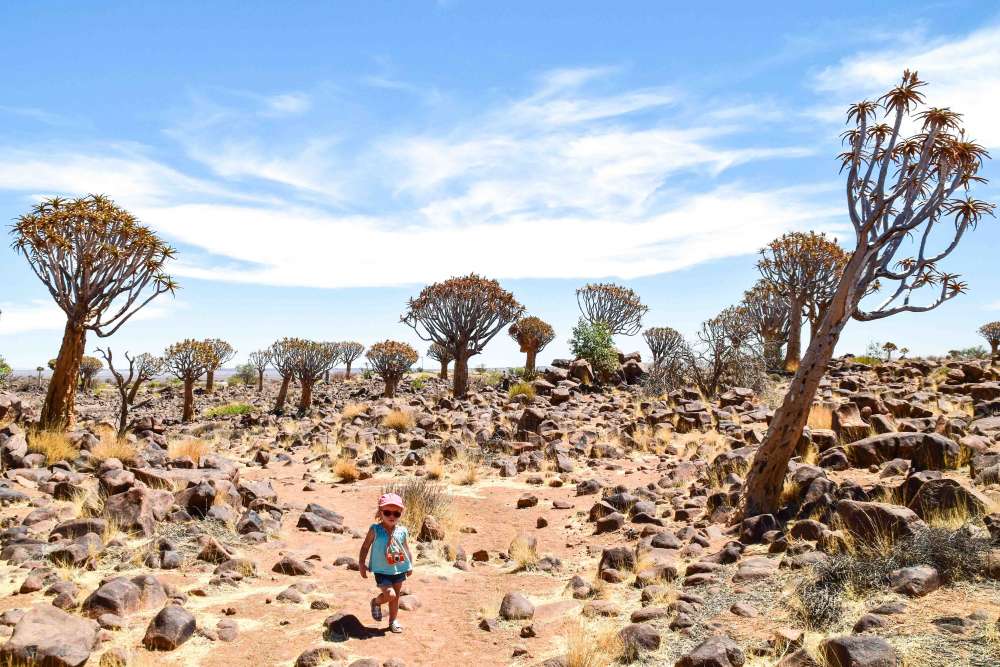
<point x="385" y="580"/>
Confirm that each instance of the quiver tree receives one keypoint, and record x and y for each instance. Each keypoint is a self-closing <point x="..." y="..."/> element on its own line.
<point x="349" y="353"/>
<point x="664" y="344"/>
<point x="889" y="348"/>
<point x="89" y="367"/>
<point x="462" y="315"/>
<point x="804" y="269"/>
<point x="899" y="190"/>
<point x="767" y="312"/>
<point x="312" y="360"/>
<point x="101" y="267"/>
<point x="670" y="354"/>
<point x="617" y="307"/>
<point x="140" y="369"/>
<point x="391" y="360"/>
<point x="337" y="350"/>
<point x="223" y="352"/>
<point x="991" y="332"/>
<point x="284" y="355"/>
<point x="532" y="334"/>
<point x="188" y="360"/>
<point x="441" y="355"/>
<point x="260" y="361"/>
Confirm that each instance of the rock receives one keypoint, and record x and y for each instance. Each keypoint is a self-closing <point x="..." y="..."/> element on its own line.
<point x="872" y="522"/>
<point x="122" y="596"/>
<point x="315" y="657"/>
<point x="293" y="567"/>
<point x="936" y="452"/>
<point x="526" y="501"/>
<point x="915" y="581"/>
<point x="944" y="495"/>
<point x="430" y="530"/>
<point x="132" y="511"/>
<point x="50" y="637"/>
<point x="170" y="628"/>
<point x="716" y="651"/>
<point x="516" y="607"/>
<point x="637" y="639"/>
<point x="857" y="651"/>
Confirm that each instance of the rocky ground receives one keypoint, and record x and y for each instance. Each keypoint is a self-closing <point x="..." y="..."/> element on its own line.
<point x="576" y="527"/>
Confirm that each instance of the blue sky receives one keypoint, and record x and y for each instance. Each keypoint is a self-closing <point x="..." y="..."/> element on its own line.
<point x="315" y="164"/>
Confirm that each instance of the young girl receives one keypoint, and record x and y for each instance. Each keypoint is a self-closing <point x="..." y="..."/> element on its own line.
<point x="391" y="561"/>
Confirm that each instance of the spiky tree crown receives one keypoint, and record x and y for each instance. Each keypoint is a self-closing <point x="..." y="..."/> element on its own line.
<point x="440" y="353"/>
<point x="284" y="355"/>
<point x="616" y="306"/>
<point x="532" y="333"/>
<point x="312" y="359"/>
<point x="991" y="332"/>
<point x="90" y="365"/>
<point x="260" y="359"/>
<point x="221" y="350"/>
<point x="804" y="265"/>
<point x="462" y="314"/>
<point x="767" y="310"/>
<point x="663" y="342"/>
<point x="147" y="366"/>
<point x="189" y="359"/>
<point x="391" y="358"/>
<point x="95" y="258"/>
<point x="350" y="350"/>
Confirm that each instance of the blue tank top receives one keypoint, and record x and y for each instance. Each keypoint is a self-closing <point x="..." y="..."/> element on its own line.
<point x="387" y="555"/>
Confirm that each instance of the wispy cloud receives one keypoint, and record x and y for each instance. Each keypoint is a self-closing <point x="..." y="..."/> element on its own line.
<point x="19" y="318"/>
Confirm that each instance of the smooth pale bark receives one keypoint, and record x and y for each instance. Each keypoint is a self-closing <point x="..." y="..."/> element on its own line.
<point x="279" y="403"/>
<point x="460" y="382"/>
<point x="57" y="412"/>
<point x="794" y="349"/>
<point x="529" y="362"/>
<point x="770" y="465"/>
<point x="188" y="413"/>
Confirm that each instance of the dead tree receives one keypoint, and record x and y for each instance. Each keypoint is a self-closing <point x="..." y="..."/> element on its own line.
<point x="462" y="315"/>
<point x="724" y="355"/>
<point x="312" y="360"/>
<point x="284" y="354"/>
<point x="804" y="269"/>
<point x="991" y="332"/>
<point x="617" y="307"/>
<point x="349" y="353"/>
<point x="89" y="368"/>
<point x="391" y="360"/>
<point x="260" y="360"/>
<point x="441" y="355"/>
<point x="767" y="312"/>
<point x="909" y="203"/>
<point x="188" y="360"/>
<point x="223" y="353"/>
<point x="140" y="369"/>
<point x="101" y="267"/>
<point x="533" y="335"/>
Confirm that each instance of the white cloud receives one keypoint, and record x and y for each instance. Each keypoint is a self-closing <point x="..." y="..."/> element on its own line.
<point x="962" y="73"/>
<point x="287" y="104"/>
<point x="38" y="315"/>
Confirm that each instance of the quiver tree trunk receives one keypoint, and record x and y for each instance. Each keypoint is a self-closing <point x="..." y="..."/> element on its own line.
<point x="260" y="381"/>
<point x="305" y="400"/>
<point x="995" y="351"/>
<point x="444" y="371"/>
<point x="772" y="353"/>
<point x="460" y="382"/>
<point x="794" y="350"/>
<point x="529" y="362"/>
<point x="326" y="376"/>
<point x="188" y="412"/>
<point x="770" y="465"/>
<point x="210" y="382"/>
<point x="279" y="403"/>
<point x="57" y="413"/>
<point x="391" y="382"/>
<point x="347" y="371"/>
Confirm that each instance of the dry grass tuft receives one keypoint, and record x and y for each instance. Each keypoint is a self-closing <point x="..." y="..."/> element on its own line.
<point x="192" y="448"/>
<point x="346" y="469"/>
<point x="466" y="469"/>
<point x="820" y="416"/>
<point x="435" y="466"/>
<point x="522" y="389"/>
<point x="523" y="554"/>
<point x="399" y="421"/>
<point x="594" y="645"/>
<point x="53" y="444"/>
<point x="422" y="498"/>
<point x="352" y="410"/>
<point x="113" y="447"/>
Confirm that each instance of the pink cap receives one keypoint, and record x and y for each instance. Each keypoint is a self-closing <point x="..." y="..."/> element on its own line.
<point x="387" y="499"/>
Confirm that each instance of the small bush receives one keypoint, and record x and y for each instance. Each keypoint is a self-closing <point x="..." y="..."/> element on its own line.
<point x="868" y="360"/>
<point x="422" y="498"/>
<point x="229" y="410"/>
<point x="435" y="466"/>
<point x="593" y="646"/>
<point x="399" y="421"/>
<point x="594" y="343"/>
<point x="346" y="469"/>
<point x="53" y="444"/>
<point x="5" y="370"/>
<point x="191" y="448"/>
<point x="467" y="469"/>
<point x="113" y="447"/>
<point x="522" y="389"/>
<point x="523" y="554"/>
<point x="352" y="410"/>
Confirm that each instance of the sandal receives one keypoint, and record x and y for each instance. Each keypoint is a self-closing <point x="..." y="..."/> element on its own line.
<point x="376" y="610"/>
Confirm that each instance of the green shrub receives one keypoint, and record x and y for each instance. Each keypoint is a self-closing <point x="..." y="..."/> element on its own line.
<point x="5" y="369"/>
<point x="245" y="374"/>
<point x="593" y="342"/>
<point x="869" y="361"/>
<point x="521" y="389"/>
<point x="229" y="410"/>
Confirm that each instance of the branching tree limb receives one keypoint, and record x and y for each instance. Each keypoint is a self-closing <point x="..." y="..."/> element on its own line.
<point x="617" y="307"/>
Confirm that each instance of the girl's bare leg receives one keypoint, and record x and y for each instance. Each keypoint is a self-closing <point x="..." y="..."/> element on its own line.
<point x="394" y="602"/>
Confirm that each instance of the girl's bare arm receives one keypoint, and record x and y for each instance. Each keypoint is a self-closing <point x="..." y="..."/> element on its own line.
<point x="363" y="556"/>
<point x="406" y="548"/>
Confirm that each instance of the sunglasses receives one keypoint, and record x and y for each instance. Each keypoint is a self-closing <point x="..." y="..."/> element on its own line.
<point x="391" y="513"/>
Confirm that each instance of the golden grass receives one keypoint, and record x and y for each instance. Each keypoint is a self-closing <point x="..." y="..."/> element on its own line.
<point x="466" y="469"/>
<point x="596" y="644"/>
<point x="113" y="447"/>
<point x="352" y="410"/>
<point x="953" y="517"/>
<point x="192" y="448"/>
<point x="523" y="554"/>
<point x="399" y="421"/>
<point x="522" y="389"/>
<point x="820" y="416"/>
<point x="346" y="469"/>
<point x="435" y="466"/>
<point x="422" y="498"/>
<point x="53" y="444"/>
